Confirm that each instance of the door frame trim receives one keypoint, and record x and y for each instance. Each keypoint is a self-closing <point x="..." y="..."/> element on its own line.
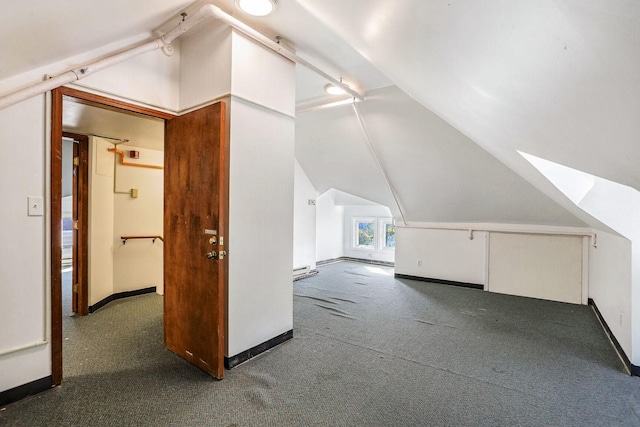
<point x="56" y="203"/>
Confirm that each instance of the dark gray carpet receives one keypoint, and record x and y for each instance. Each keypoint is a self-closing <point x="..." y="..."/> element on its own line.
<point x="368" y="350"/>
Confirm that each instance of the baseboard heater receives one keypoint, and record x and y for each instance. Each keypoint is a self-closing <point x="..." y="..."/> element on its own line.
<point x="301" y="271"/>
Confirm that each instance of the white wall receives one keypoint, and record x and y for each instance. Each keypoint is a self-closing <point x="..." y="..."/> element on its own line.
<point x="363" y="211"/>
<point x="546" y="267"/>
<point x="205" y="67"/>
<point x="260" y="227"/>
<point x="304" y="220"/>
<point x="261" y="186"/>
<point x="101" y="219"/>
<point x="138" y="264"/>
<point x="618" y="206"/>
<point x="67" y="167"/>
<point x="610" y="285"/>
<point x="24" y="284"/>
<point x="262" y="76"/>
<point x="329" y="227"/>
<point x="152" y="77"/>
<point x="533" y="265"/>
<point x="24" y="245"/>
<point x="335" y="211"/>
<point x="444" y="254"/>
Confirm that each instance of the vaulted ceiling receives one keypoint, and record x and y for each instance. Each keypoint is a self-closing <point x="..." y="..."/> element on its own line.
<point x="454" y="89"/>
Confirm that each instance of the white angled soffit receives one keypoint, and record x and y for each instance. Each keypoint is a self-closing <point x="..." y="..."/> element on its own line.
<point x="615" y="205"/>
<point x="572" y="183"/>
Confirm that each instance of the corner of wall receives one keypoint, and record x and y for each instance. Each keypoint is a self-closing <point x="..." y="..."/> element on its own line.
<point x="610" y="286"/>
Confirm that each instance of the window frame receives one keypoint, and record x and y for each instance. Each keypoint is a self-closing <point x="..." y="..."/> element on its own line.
<point x="382" y="223"/>
<point x="354" y="233"/>
<point x="379" y="233"/>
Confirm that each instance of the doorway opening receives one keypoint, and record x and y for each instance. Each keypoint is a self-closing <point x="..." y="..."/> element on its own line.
<point x="194" y="217"/>
<point x="75" y="211"/>
<point x="77" y="117"/>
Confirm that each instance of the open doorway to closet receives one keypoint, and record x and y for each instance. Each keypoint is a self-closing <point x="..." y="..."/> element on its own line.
<point x="128" y="248"/>
<point x="93" y="211"/>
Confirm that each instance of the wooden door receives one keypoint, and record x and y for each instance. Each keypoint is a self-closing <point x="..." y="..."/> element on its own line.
<point x="80" y="216"/>
<point x="195" y="227"/>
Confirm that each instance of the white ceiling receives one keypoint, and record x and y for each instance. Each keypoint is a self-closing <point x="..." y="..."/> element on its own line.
<point x="456" y="88"/>
<point x="141" y="131"/>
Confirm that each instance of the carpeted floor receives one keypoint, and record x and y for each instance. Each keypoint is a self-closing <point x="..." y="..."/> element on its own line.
<point x="368" y="350"/>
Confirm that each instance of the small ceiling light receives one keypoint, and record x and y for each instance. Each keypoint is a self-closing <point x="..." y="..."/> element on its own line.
<point x="257" y="7"/>
<point x="332" y="89"/>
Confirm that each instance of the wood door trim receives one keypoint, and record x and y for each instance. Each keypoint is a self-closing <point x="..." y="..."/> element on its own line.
<point x="56" y="206"/>
<point x="223" y="212"/>
<point x="56" y="236"/>
<point x="110" y="103"/>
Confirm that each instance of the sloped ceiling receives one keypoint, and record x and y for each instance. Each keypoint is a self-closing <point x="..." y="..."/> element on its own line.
<point x="475" y="81"/>
<point x="37" y="33"/>
<point x="438" y="174"/>
<point x="556" y="79"/>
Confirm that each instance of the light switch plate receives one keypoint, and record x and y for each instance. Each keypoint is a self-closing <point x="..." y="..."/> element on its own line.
<point x="35" y="206"/>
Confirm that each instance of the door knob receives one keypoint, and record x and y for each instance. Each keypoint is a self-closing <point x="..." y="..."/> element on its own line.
<point x="211" y="255"/>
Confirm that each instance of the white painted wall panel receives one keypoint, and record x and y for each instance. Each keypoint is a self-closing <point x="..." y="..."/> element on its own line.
<point x="610" y="273"/>
<point x="23" y="286"/>
<point x="545" y="267"/>
<point x="101" y="210"/>
<point x="151" y="78"/>
<point x="273" y="89"/>
<point x="445" y="254"/>
<point x="329" y="227"/>
<point x="304" y="220"/>
<point x="260" y="241"/>
<point x="138" y="264"/>
<point x="205" y="67"/>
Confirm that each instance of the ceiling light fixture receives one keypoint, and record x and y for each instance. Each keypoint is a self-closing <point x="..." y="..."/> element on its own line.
<point x="257" y="7"/>
<point x="332" y="89"/>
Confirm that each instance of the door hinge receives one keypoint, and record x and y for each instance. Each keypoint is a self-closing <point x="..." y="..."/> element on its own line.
<point x="76" y="161"/>
<point x="75" y="288"/>
<point x="75" y="224"/>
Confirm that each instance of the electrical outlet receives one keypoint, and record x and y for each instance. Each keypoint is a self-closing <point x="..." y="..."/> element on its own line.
<point x="419" y="263"/>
